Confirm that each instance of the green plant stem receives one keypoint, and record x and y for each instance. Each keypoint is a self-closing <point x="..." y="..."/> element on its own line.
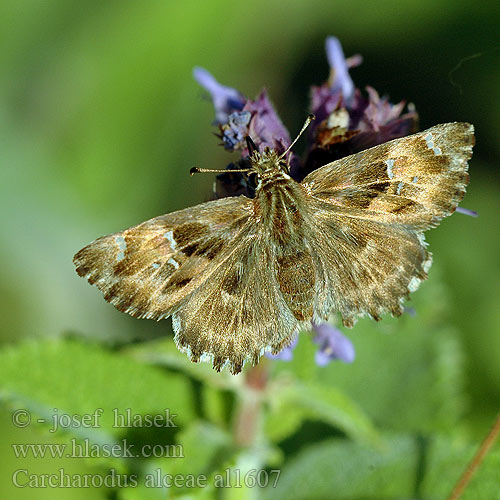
<point x="469" y="472"/>
<point x="247" y="422"/>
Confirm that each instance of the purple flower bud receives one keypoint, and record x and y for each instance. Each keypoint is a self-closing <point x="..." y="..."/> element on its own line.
<point x="226" y="99"/>
<point x="235" y="130"/>
<point x="339" y="90"/>
<point x="339" y="77"/>
<point x="239" y="117"/>
<point x="332" y="345"/>
<point x="346" y="121"/>
<point x="466" y="211"/>
<point x="258" y="120"/>
<point x="286" y="354"/>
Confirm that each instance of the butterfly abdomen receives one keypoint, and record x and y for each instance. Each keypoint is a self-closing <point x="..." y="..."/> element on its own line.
<point x="283" y="209"/>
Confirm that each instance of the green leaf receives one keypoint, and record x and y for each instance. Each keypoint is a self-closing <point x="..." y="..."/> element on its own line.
<point x="403" y="468"/>
<point x="408" y="373"/>
<point x="77" y="378"/>
<point x="215" y="405"/>
<point x="205" y="448"/>
<point x="343" y="470"/>
<point x="448" y="459"/>
<point x="164" y="352"/>
<point x="293" y="401"/>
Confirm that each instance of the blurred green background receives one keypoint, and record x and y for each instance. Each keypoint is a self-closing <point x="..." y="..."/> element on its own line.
<point x="100" y="123"/>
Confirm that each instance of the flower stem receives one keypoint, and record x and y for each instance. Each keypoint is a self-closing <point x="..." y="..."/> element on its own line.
<point x="469" y="472"/>
<point x="247" y="423"/>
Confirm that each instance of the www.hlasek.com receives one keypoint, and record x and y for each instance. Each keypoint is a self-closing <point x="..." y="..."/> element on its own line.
<point x="86" y="449"/>
<point x="229" y="478"/>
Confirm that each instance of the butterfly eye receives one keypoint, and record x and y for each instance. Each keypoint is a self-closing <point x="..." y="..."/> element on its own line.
<point x="252" y="180"/>
<point x="285" y="167"/>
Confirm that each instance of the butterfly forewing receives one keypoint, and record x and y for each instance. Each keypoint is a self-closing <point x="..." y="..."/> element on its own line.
<point x="148" y="270"/>
<point x="416" y="180"/>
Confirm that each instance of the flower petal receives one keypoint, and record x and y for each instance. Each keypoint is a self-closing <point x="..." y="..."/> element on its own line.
<point x="466" y="211"/>
<point x="410" y="311"/>
<point x="226" y="99"/>
<point x="340" y="78"/>
<point x="266" y="128"/>
<point x="235" y="130"/>
<point x="286" y="354"/>
<point x="332" y="345"/>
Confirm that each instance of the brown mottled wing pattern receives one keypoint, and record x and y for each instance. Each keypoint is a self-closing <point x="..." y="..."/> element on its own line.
<point x="369" y="211"/>
<point x="369" y="266"/>
<point x="148" y="270"/>
<point x="209" y="267"/>
<point x="416" y="180"/>
<point x="239" y="312"/>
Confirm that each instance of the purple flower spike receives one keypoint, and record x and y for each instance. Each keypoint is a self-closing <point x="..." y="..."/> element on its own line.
<point x="466" y="211"/>
<point x="339" y="79"/>
<point x="226" y="99"/>
<point x="266" y="128"/>
<point x="410" y="311"/>
<point x="286" y="354"/>
<point x="339" y="91"/>
<point x="379" y="111"/>
<point x="332" y="345"/>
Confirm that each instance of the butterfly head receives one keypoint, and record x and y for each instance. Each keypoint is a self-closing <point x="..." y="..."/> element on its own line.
<point x="268" y="164"/>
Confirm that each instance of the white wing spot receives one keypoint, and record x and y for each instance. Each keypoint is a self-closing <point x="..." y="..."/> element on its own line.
<point x="430" y="144"/>
<point x="398" y="190"/>
<point x="155" y="265"/>
<point x="122" y="244"/>
<point x="413" y="284"/>
<point x="414" y="180"/>
<point x="390" y="164"/>
<point x="169" y="235"/>
<point x="173" y="263"/>
<point x="120" y="256"/>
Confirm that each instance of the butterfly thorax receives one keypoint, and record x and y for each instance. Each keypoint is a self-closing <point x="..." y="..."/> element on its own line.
<point x="280" y="205"/>
<point x="279" y="200"/>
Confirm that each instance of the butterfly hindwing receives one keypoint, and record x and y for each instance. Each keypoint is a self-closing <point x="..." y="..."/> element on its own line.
<point x="239" y="312"/>
<point x="369" y="267"/>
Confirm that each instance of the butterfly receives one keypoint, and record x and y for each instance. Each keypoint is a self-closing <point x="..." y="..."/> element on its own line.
<point x="243" y="276"/>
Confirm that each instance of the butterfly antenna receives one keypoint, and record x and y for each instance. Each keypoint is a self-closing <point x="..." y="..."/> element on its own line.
<point x="309" y="119"/>
<point x="251" y="148"/>
<point x="196" y="170"/>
